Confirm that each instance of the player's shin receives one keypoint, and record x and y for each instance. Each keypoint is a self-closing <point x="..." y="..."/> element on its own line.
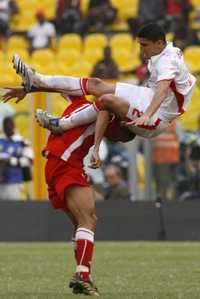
<point x="84" y="247"/>
<point x="70" y="85"/>
<point x="79" y="118"/>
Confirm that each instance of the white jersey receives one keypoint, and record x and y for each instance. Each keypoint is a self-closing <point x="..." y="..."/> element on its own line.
<point x="41" y="33"/>
<point x="170" y="65"/>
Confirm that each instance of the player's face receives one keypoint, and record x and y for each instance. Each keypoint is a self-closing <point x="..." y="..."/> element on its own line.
<point x="149" y="48"/>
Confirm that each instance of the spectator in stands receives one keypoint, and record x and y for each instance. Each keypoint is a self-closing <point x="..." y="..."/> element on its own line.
<point x="148" y="12"/>
<point x="118" y="155"/>
<point x="107" y="67"/>
<point x="181" y="33"/>
<point x="8" y="8"/>
<point x="100" y="14"/>
<point x="166" y="160"/>
<point x="41" y="34"/>
<point x="192" y="164"/>
<point x="197" y="18"/>
<point x="195" y="30"/>
<point x="68" y="16"/>
<point x="177" y="9"/>
<point x="5" y="111"/>
<point x="152" y="11"/>
<point x="116" y="188"/>
<point x="16" y="157"/>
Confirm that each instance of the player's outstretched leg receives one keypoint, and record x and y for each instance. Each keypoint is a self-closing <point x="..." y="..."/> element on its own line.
<point x="58" y="125"/>
<point x="71" y="85"/>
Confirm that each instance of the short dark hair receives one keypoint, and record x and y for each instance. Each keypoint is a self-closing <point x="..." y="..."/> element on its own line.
<point x="152" y="32"/>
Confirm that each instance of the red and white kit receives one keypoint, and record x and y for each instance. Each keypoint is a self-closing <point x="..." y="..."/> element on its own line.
<point x="65" y="154"/>
<point x="168" y="65"/>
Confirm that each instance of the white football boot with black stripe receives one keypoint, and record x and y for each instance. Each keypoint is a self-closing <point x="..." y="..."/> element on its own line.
<point x="25" y="72"/>
<point x="48" y="121"/>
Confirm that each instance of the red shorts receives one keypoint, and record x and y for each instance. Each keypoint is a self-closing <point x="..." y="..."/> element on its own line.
<point x="59" y="176"/>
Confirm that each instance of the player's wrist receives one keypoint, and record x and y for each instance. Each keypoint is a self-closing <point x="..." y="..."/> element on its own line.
<point x="32" y="89"/>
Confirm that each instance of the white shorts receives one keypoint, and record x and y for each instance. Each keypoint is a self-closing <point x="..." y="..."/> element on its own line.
<point x="139" y="99"/>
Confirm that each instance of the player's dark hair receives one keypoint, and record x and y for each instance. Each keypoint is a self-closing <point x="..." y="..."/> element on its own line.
<point x="152" y="32"/>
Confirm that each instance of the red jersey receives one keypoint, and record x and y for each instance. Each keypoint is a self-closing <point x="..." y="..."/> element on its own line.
<point x="73" y="145"/>
<point x="65" y="154"/>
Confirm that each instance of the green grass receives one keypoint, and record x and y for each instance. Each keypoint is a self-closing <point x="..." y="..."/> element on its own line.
<point x="122" y="270"/>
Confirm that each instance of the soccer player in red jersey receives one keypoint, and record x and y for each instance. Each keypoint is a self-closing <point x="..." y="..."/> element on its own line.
<point x="69" y="187"/>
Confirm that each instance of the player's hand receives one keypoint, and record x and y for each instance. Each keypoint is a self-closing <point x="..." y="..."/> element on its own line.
<point x="140" y="121"/>
<point x="10" y="93"/>
<point x="95" y="161"/>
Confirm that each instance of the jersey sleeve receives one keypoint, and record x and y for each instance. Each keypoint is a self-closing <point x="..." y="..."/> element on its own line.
<point x="166" y="69"/>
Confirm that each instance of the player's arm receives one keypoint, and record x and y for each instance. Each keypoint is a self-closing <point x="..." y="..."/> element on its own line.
<point x="19" y="93"/>
<point x="158" y="98"/>
<point x="100" y="128"/>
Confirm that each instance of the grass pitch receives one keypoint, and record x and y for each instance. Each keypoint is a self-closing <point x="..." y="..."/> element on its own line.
<point x="123" y="270"/>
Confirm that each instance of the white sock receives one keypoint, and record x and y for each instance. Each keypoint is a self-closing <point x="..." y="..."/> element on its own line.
<point x="70" y="85"/>
<point x="79" y="118"/>
<point x="84" y="234"/>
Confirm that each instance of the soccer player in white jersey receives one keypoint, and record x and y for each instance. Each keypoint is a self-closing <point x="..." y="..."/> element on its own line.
<point x="146" y="110"/>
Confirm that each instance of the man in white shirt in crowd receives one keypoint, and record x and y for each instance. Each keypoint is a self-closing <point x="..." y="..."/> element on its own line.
<point x="40" y="35"/>
<point x="8" y="8"/>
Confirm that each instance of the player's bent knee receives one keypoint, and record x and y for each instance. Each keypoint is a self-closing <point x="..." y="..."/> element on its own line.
<point x="107" y="101"/>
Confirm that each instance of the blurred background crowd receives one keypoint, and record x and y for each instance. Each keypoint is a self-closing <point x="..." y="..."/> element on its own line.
<point x="97" y="38"/>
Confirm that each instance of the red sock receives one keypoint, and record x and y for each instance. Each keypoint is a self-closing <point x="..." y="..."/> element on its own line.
<point x="84" y="248"/>
<point x="84" y="85"/>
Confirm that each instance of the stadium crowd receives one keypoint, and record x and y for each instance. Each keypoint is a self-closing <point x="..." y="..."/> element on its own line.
<point x="97" y="38"/>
